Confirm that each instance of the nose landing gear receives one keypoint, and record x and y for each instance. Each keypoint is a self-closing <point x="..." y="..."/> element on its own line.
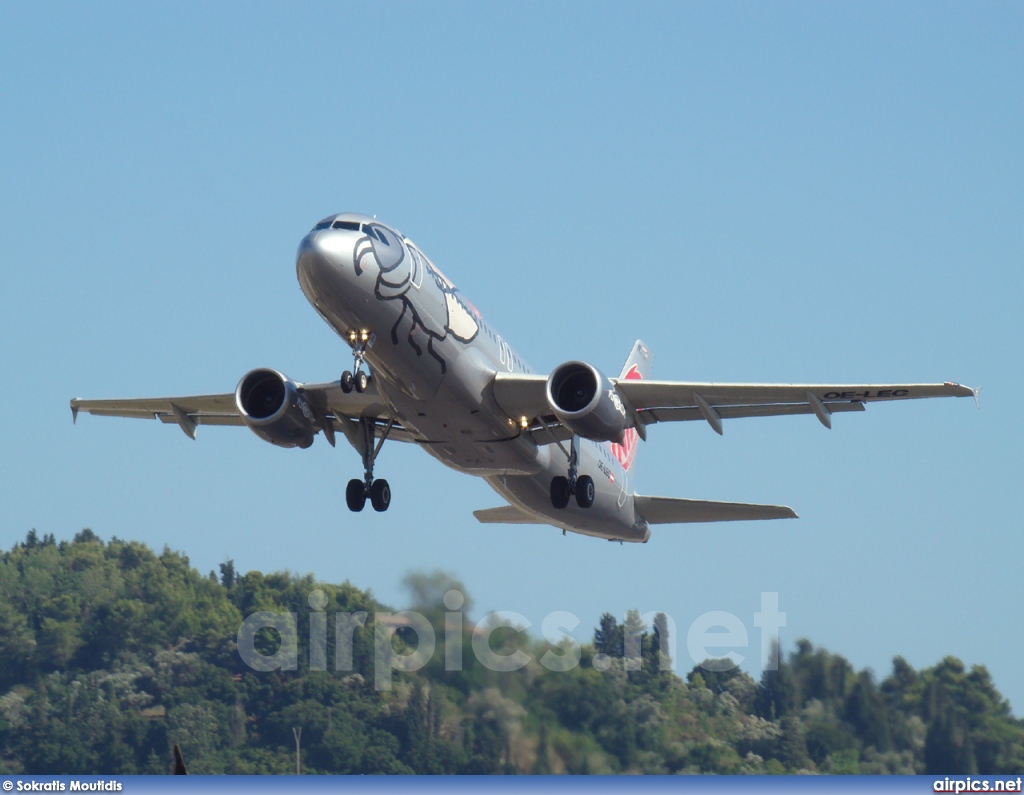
<point x="378" y="490"/>
<point x="356" y="378"/>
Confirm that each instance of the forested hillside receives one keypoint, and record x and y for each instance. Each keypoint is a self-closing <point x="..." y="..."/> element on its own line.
<point x="110" y="653"/>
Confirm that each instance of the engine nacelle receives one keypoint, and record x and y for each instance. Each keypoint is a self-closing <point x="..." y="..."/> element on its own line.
<point x="586" y="402"/>
<point x="274" y="409"/>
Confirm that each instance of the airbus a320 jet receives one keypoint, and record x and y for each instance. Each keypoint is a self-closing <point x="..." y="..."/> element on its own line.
<point x="429" y="370"/>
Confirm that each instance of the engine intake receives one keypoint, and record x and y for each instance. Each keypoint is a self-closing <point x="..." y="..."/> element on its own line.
<point x="275" y="409"/>
<point x="585" y="401"/>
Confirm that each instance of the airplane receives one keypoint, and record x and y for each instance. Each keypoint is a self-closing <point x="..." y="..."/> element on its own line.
<point x="429" y="370"/>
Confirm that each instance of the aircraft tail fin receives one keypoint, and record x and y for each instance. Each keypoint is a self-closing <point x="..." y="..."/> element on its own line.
<point x="636" y="368"/>
<point x="641" y="359"/>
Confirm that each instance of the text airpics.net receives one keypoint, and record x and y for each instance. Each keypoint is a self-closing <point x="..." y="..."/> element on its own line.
<point x="714" y="636"/>
<point x="969" y="784"/>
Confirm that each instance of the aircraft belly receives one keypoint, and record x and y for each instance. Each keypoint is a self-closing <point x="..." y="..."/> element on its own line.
<point x="609" y="517"/>
<point x="474" y="458"/>
<point x="462" y="436"/>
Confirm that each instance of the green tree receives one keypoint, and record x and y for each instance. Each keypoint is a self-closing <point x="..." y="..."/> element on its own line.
<point x="865" y="711"/>
<point x="777" y="693"/>
<point x="608" y="636"/>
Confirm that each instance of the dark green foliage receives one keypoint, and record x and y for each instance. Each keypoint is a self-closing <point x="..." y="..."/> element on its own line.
<point x="777" y="695"/>
<point x="227" y="574"/>
<point x="111" y="653"/>
<point x="542" y="766"/>
<point x="865" y="711"/>
<point x="608" y="637"/>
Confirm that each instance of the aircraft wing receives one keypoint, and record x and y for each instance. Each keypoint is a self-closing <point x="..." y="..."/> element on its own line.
<point x="331" y="402"/>
<point x="670" y="401"/>
<point x="676" y="401"/>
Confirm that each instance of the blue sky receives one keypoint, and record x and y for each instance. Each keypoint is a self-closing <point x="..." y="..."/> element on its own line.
<point x="778" y="192"/>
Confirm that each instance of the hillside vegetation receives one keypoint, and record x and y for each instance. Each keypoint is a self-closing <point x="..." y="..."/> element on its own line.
<point x="110" y="653"/>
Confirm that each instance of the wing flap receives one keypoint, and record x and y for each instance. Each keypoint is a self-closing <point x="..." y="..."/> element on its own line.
<point x="201" y="419"/>
<point x="674" y="510"/>
<point x="683" y="414"/>
<point x="549" y="431"/>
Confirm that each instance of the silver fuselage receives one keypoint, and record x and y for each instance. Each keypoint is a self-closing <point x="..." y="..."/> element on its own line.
<point x="434" y="359"/>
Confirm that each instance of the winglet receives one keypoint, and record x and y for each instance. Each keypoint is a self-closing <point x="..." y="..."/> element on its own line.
<point x="74" y="410"/>
<point x="977" y="395"/>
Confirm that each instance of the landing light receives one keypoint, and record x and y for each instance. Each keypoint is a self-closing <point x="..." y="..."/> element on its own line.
<point x="523" y="422"/>
<point x="364" y="335"/>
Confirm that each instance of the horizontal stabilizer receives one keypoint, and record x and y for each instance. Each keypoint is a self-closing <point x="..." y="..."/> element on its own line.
<point x="506" y="514"/>
<point x="673" y="510"/>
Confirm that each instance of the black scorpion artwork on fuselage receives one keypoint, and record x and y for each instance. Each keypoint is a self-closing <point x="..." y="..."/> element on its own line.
<point x="439" y="310"/>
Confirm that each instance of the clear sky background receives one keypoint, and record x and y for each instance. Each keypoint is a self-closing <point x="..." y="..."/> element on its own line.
<point x="784" y="192"/>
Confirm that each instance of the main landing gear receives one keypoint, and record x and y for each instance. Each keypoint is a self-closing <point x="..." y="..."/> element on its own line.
<point x="356" y="378"/>
<point x="580" y="486"/>
<point x="377" y="490"/>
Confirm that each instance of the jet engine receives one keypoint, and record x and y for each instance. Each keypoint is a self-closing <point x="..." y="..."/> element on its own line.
<point x="586" y="402"/>
<point x="275" y="409"/>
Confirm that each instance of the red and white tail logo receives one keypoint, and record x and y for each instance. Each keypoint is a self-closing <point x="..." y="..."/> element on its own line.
<point x="626" y="452"/>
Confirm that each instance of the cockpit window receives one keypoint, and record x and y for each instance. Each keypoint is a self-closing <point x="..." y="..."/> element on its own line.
<point x="381" y="236"/>
<point x="322" y="225"/>
<point x="352" y="226"/>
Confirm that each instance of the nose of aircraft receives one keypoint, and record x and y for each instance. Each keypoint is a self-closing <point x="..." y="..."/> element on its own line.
<point x="309" y="259"/>
<point x="324" y="254"/>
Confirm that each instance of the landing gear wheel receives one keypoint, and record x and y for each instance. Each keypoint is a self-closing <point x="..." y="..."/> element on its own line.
<point x="362" y="381"/>
<point x="378" y="491"/>
<point x="347" y="382"/>
<point x="585" y="492"/>
<point x="380" y="495"/>
<point x="559" y="492"/>
<point x="355" y="495"/>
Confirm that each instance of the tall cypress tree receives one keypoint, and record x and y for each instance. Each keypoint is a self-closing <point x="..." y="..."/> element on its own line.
<point x="608" y="636"/>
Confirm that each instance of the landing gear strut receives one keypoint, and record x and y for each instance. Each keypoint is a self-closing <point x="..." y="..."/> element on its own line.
<point x="574" y="484"/>
<point x="377" y="490"/>
<point x="356" y="378"/>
